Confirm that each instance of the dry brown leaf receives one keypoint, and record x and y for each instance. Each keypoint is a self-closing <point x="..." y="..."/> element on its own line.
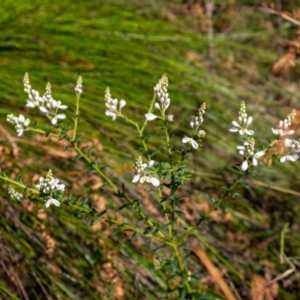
<point x="282" y="66"/>
<point x="258" y="284"/>
<point x="98" y="202"/>
<point x="260" y="290"/>
<point x="192" y="209"/>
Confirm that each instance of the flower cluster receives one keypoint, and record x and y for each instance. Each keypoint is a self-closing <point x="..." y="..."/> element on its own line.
<point x="46" y="104"/>
<point x="161" y="91"/>
<point x="195" y="123"/>
<point x="243" y="122"/>
<point x="114" y="106"/>
<point x="20" y="123"/>
<point x="14" y="195"/>
<point x="283" y="125"/>
<point x="48" y="186"/>
<point x="293" y="147"/>
<point x="78" y="87"/>
<point x="248" y="151"/>
<point x="143" y="172"/>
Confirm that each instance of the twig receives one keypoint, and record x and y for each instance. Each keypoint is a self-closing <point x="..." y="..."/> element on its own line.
<point x="279" y="24"/>
<point x="209" y="4"/>
<point x="213" y="270"/>
<point x="282" y="15"/>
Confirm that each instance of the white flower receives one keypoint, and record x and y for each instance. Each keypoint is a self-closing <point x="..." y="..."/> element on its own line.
<point x="114" y="106"/>
<point x="282" y="132"/>
<point x="34" y="99"/>
<point x="57" y="117"/>
<point x="161" y="91"/>
<point x="14" y="195"/>
<point x="288" y="143"/>
<point x="52" y="201"/>
<point x="191" y="141"/>
<point x="54" y="105"/>
<point x="78" y="88"/>
<point x="290" y="157"/>
<point x="143" y="174"/>
<point x="143" y="178"/>
<point x="244" y="165"/>
<point x="242" y="129"/>
<point x="256" y="156"/>
<point x="243" y="122"/>
<point x="293" y="147"/>
<point x="49" y="184"/>
<point x="247" y="150"/>
<point x="20" y="123"/>
<point x="46" y="104"/>
<point x="283" y="125"/>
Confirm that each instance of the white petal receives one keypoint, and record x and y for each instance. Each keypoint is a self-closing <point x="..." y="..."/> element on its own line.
<point x="275" y="131"/>
<point x="20" y="132"/>
<point x="111" y="114"/>
<point x="21" y="118"/>
<point x="254" y="161"/>
<point x="241" y="148"/>
<point x="194" y="144"/>
<point x="151" y="163"/>
<point x="244" y="165"/>
<point x="288" y="142"/>
<point x="186" y="140"/>
<point x="259" y="154"/>
<point x="289" y="132"/>
<point x="44" y="110"/>
<point x="154" y="181"/>
<point x="249" y="132"/>
<point x="236" y="124"/>
<point x="27" y="122"/>
<point x="170" y="118"/>
<point x="293" y="157"/>
<point x="156" y="105"/>
<point x="150" y="117"/>
<point x="283" y="159"/>
<point x="233" y="129"/>
<point x="249" y="121"/>
<point x="122" y="103"/>
<point x="61" y="116"/>
<point x="136" y="178"/>
<point x="167" y="103"/>
<point x="52" y="201"/>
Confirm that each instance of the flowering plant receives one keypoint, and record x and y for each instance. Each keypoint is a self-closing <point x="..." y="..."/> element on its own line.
<point x="163" y="176"/>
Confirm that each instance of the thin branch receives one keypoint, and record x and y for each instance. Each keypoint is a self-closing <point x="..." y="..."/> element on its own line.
<point x="209" y="5"/>
<point x="282" y="15"/>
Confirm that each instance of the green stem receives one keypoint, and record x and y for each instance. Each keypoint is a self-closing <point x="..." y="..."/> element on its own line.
<point x="139" y="231"/>
<point x="100" y="173"/>
<point x="21" y="185"/>
<point x="136" y="125"/>
<point x="181" y="267"/>
<point x="166" y="214"/>
<point x="76" y="117"/>
<point x="40" y="131"/>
